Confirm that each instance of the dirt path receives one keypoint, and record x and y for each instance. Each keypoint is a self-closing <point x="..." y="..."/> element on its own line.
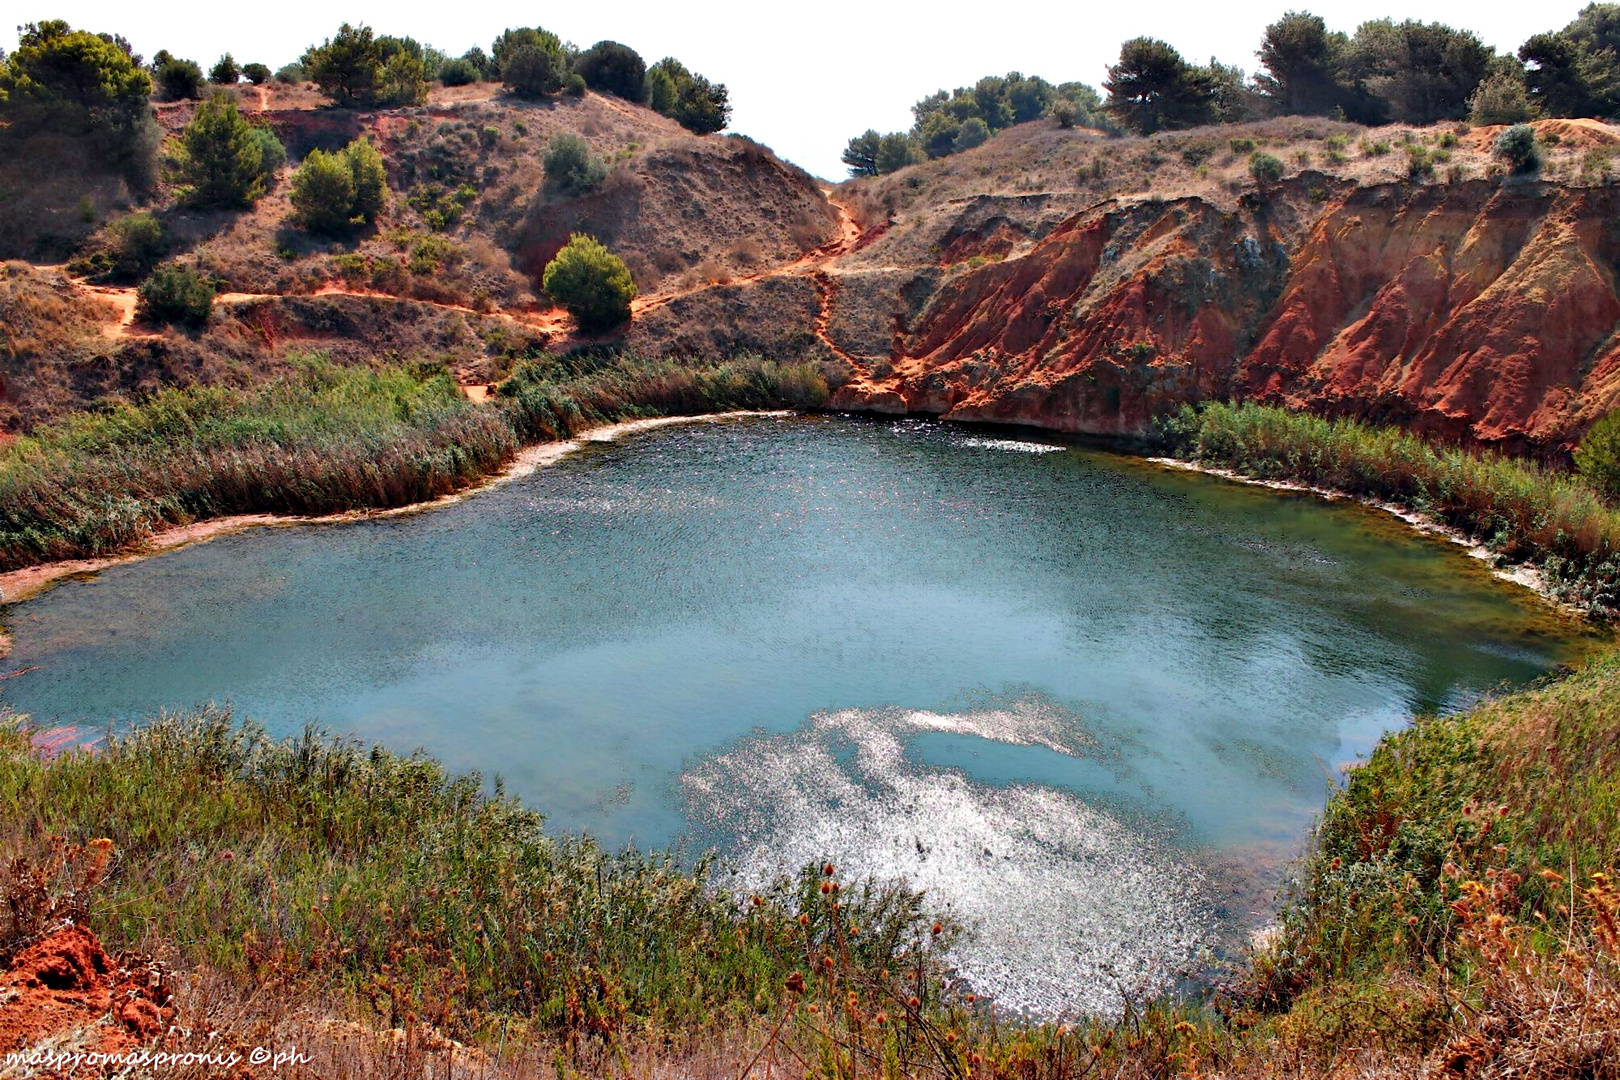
<point x="556" y="323"/>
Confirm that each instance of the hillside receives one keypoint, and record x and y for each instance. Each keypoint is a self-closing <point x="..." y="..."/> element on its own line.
<point x="1055" y="277"/>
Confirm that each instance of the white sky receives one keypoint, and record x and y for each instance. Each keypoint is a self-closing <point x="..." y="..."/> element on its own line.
<point x="803" y="77"/>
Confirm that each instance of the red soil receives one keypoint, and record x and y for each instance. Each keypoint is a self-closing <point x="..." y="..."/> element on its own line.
<point x="1474" y="310"/>
<point x="65" y="990"/>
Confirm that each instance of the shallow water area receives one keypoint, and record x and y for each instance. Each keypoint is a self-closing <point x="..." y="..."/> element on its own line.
<point x="1090" y="703"/>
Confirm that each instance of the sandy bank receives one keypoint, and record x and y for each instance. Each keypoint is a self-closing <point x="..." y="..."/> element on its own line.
<point x="18" y="585"/>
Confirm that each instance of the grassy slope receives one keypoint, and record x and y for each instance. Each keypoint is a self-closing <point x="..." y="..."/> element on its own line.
<point x="1422" y="929"/>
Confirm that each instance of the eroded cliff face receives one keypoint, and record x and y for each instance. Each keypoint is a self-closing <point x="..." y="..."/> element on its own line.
<point x="1477" y="310"/>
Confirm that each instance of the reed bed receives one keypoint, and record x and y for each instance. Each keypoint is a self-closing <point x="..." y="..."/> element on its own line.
<point x="327" y="439"/>
<point x="1522" y="511"/>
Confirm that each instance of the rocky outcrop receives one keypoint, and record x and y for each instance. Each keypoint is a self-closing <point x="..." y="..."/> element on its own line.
<point x="1478" y="310"/>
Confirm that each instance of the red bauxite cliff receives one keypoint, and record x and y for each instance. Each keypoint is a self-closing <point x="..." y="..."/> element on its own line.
<point x="1478" y="310"/>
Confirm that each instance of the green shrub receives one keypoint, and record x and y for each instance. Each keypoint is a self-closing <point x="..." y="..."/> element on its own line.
<point x="1243" y="145"/>
<point x="323" y="192"/>
<point x="571" y="168"/>
<point x="137" y="242"/>
<point x="688" y="98"/>
<point x="1064" y="111"/>
<point x="459" y="72"/>
<point x="220" y="157"/>
<point x="257" y="74"/>
<point x="1373" y="147"/>
<point x="1598" y="457"/>
<point x="334" y="192"/>
<point x="532" y="72"/>
<point x="370" y="180"/>
<point x="175" y="294"/>
<point x="611" y="68"/>
<point x="227" y="72"/>
<point x="1266" y="168"/>
<point x="346" y="66"/>
<point x="1518" y="147"/>
<point x="292" y="74"/>
<point x="176" y="78"/>
<point x="973" y="132"/>
<point x="591" y="282"/>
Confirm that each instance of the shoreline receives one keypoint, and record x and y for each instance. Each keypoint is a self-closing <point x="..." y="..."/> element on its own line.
<point x="17" y="586"/>
<point x="1524" y="575"/>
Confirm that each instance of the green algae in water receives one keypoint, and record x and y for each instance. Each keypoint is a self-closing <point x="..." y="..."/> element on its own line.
<point x="1057" y="686"/>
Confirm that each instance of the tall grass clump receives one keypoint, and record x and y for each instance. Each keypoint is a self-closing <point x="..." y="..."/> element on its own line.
<point x="333" y="867"/>
<point x="555" y="398"/>
<point x="320" y="440"/>
<point x="1463" y="880"/>
<point x="1522" y="511"/>
<point x="328" y="439"/>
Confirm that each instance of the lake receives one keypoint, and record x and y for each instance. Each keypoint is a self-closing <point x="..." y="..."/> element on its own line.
<point x="1090" y="703"/>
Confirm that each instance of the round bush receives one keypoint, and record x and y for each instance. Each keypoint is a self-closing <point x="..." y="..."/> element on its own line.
<point x="611" y="68"/>
<point x="175" y="294"/>
<point x="458" y="72"/>
<point x="1518" y="147"/>
<point x="1265" y="168"/>
<point x="531" y="72"/>
<point x="323" y="192"/>
<point x="591" y="282"/>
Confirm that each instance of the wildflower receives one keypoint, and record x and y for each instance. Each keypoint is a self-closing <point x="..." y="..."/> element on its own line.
<point x="812" y="1008"/>
<point x="914" y="1002"/>
<point x="227" y="856"/>
<point x="804" y="920"/>
<point x="939" y="928"/>
<point x="825" y="888"/>
<point x="881" y="1018"/>
<point x="827" y="870"/>
<point x="759" y="901"/>
<point x="795" y="983"/>
<point x="827" y="962"/>
<point x="971" y="998"/>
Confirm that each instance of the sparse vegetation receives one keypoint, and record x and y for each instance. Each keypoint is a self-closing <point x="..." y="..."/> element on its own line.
<point x="571" y="168"/>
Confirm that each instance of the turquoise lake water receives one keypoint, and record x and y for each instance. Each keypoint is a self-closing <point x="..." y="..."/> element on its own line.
<point x="1058" y="687"/>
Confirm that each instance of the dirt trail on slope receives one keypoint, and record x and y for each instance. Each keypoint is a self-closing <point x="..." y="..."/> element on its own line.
<point x="816" y="264"/>
<point x="810" y="263"/>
